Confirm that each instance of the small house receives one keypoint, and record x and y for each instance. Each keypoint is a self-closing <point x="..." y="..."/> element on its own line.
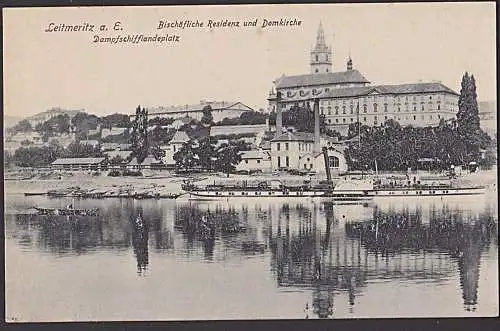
<point x="80" y="163"/>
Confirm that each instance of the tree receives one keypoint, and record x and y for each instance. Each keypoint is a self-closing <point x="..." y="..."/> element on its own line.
<point x="227" y="158"/>
<point x="207" y="117"/>
<point x="302" y="119"/>
<point x="157" y="152"/>
<point x="186" y="158"/>
<point x="468" y="124"/>
<point x="7" y="158"/>
<point x="140" y="134"/>
<point x="36" y="156"/>
<point x="26" y="143"/>
<point x="206" y="152"/>
<point x="57" y="124"/>
<point x="82" y="150"/>
<point x="22" y="126"/>
<point x="468" y="112"/>
<point x="82" y="123"/>
<point x="115" y="120"/>
<point x="117" y="160"/>
<point x="162" y="121"/>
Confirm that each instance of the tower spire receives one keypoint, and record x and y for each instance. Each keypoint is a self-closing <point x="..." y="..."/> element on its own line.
<point x="320" y="38"/>
<point x="321" y="54"/>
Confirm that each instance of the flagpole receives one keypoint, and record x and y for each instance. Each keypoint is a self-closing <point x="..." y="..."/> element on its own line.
<point x="359" y="126"/>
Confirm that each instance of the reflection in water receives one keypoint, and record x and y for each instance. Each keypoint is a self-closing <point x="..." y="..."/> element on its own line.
<point x="329" y="262"/>
<point x="140" y="238"/>
<point x="332" y="252"/>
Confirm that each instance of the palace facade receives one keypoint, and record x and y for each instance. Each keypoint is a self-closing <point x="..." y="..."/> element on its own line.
<point x="219" y="110"/>
<point x="348" y="97"/>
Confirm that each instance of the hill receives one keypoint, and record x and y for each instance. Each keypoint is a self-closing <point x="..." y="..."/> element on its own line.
<point x="487" y="109"/>
<point x="43" y="116"/>
<point x="9" y="121"/>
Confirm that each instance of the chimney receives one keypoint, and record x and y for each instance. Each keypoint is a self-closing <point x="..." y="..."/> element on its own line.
<point x="278" y="114"/>
<point x="317" y="147"/>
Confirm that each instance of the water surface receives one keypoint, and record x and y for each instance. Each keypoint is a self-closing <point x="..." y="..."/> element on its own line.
<point x="267" y="258"/>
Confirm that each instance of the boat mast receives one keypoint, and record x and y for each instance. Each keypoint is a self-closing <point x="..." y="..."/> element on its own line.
<point x="359" y="126"/>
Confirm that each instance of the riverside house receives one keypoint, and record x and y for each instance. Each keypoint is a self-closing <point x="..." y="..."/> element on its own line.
<point x="255" y="161"/>
<point x="80" y="163"/>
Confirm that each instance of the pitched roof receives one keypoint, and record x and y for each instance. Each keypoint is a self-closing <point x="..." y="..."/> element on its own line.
<point x="265" y="145"/>
<point x="180" y="137"/>
<point x="78" y="160"/>
<point x="150" y="160"/>
<point x="413" y="88"/>
<point x="237" y="129"/>
<point x="184" y="120"/>
<point x="348" y="92"/>
<point x="295" y="136"/>
<point x="122" y="154"/>
<point x="356" y="91"/>
<point x="215" y="105"/>
<point x="342" y="77"/>
<point x="255" y="154"/>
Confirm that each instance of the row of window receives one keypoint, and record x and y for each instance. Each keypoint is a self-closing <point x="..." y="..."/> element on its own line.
<point x="278" y="146"/>
<point x="374" y="97"/>
<point x="246" y="161"/>
<point x="375" y="109"/>
<point x="344" y="120"/>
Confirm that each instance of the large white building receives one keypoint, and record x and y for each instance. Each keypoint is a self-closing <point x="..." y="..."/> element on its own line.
<point x="348" y="97"/>
<point x="220" y="110"/>
<point x="173" y="146"/>
<point x="304" y="151"/>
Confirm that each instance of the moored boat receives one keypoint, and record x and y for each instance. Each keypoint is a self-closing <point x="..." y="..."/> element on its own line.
<point x="67" y="211"/>
<point x="341" y="192"/>
<point x="425" y="190"/>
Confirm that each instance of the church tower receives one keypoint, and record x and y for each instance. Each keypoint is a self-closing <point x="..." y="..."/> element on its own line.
<point x="321" y="54"/>
<point x="349" y="63"/>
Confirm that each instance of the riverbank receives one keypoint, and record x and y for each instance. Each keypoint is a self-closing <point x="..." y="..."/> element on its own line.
<point x="162" y="183"/>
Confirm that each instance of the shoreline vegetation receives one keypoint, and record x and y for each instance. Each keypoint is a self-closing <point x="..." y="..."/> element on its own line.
<point x="167" y="185"/>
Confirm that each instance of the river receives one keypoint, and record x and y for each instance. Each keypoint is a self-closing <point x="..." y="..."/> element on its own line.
<point x="266" y="258"/>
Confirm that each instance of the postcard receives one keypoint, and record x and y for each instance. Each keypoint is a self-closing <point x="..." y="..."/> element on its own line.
<point x="167" y="163"/>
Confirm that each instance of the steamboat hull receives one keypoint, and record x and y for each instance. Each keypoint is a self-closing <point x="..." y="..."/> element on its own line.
<point x="426" y="192"/>
<point x="335" y="195"/>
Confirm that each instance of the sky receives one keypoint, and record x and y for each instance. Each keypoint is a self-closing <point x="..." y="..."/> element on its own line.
<point x="389" y="44"/>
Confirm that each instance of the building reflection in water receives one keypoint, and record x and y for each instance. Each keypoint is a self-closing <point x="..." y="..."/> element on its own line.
<point x="324" y="248"/>
<point x="461" y="238"/>
<point x="315" y="258"/>
<point x="331" y="254"/>
<point x="114" y="229"/>
<point x="140" y="236"/>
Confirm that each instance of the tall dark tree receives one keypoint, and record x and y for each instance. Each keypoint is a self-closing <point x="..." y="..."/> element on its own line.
<point x="140" y="134"/>
<point x="468" y="112"/>
<point x="468" y="121"/>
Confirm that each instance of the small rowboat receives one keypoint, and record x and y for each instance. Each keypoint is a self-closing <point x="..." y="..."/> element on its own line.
<point x="67" y="211"/>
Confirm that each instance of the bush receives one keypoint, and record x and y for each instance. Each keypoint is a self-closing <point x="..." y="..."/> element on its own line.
<point x="132" y="173"/>
<point x="114" y="173"/>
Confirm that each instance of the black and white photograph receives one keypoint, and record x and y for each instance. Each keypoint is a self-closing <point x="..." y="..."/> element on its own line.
<point x="250" y="162"/>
